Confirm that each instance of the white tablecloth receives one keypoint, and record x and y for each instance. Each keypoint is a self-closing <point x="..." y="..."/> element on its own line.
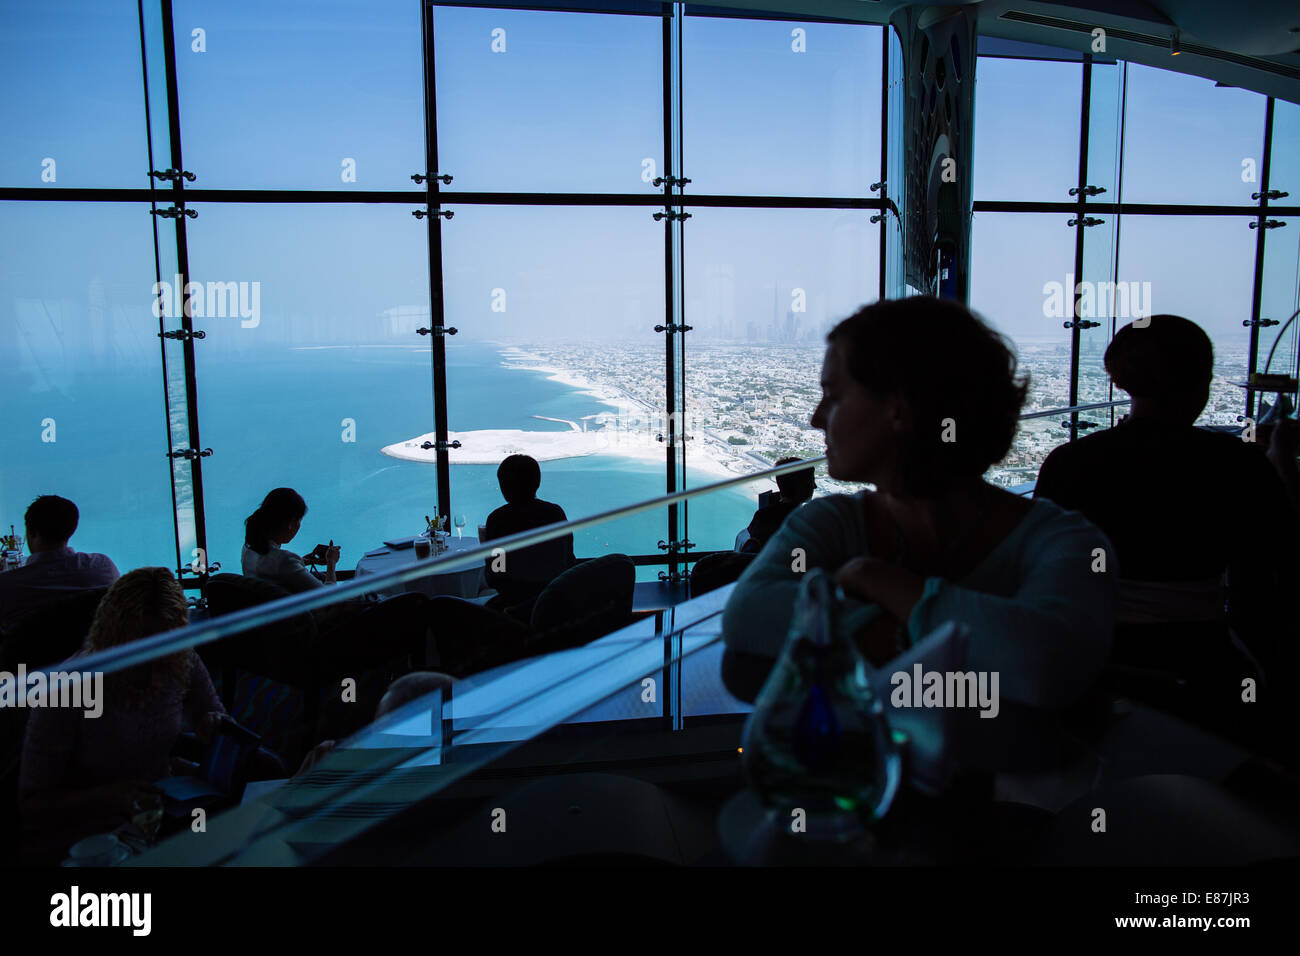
<point x="465" y="582"/>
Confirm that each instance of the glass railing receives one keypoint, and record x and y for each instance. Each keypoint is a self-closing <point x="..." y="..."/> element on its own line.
<point x="584" y="710"/>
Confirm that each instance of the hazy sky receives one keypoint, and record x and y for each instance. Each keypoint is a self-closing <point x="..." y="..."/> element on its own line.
<point x="284" y="94"/>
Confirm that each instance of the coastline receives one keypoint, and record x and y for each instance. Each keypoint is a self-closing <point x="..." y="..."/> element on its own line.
<point x="637" y="442"/>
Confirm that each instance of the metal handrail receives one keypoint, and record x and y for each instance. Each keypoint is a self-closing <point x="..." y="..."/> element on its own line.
<point x="1052" y="412"/>
<point x="179" y="639"/>
<point x="193" y="635"/>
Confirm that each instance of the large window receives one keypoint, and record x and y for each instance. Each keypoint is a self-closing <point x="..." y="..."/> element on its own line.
<point x="1043" y="236"/>
<point x="85" y="415"/>
<point x="646" y="221"/>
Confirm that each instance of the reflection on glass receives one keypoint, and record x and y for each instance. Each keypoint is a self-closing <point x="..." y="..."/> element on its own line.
<point x="312" y="375"/>
<point x="1284" y="163"/>
<point x="72" y="110"/>
<point x="1108" y="305"/>
<point x="1105" y="115"/>
<point x="1202" y="268"/>
<point x="1280" y="297"/>
<point x="1026" y="129"/>
<point x="300" y="95"/>
<point x="1188" y="141"/>
<point x="83" y="391"/>
<point x="520" y="107"/>
<point x="775" y="108"/>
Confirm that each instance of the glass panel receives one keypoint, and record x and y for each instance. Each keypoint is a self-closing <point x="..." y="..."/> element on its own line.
<point x="518" y="109"/>
<point x="311" y="370"/>
<point x="1188" y="141"/>
<point x="1101" y="301"/>
<point x="73" y="107"/>
<point x="1202" y="268"/>
<point x="177" y="398"/>
<point x="763" y="289"/>
<point x="557" y="358"/>
<point x="302" y="94"/>
<point x="896" y="185"/>
<point x="168" y="268"/>
<point x="1026" y="129"/>
<point x="1281" y="297"/>
<point x="550" y="711"/>
<point x="1021" y="284"/>
<point x="84" y="412"/>
<point x="777" y="108"/>
<point x="1284" y="173"/>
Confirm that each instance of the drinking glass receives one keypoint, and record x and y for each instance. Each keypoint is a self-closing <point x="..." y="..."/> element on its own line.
<point x="460" y="523"/>
<point x="148" y="814"/>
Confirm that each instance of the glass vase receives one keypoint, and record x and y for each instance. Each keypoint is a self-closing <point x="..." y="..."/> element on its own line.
<point x="818" y="740"/>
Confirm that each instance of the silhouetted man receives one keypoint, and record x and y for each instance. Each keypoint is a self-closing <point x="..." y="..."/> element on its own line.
<point x="53" y="569"/>
<point x="529" y="570"/>
<point x="1181" y="506"/>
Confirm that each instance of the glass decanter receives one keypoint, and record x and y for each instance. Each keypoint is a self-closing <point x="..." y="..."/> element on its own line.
<point x="818" y="739"/>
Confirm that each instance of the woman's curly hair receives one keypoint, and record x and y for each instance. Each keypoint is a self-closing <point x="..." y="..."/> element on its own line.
<point x="140" y="603"/>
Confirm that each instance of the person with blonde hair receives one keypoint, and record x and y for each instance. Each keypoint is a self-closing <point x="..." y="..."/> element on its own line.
<point x="92" y="770"/>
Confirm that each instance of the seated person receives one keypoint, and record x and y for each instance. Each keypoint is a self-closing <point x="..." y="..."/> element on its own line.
<point x="404" y="690"/>
<point x="529" y="570"/>
<point x="796" y="487"/>
<point x="53" y="569"/>
<point x="275" y="522"/>
<point x="1183" y="505"/>
<point x="920" y="398"/>
<point x="82" y="774"/>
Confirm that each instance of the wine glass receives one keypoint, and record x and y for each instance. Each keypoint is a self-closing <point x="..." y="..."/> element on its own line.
<point x="460" y="523"/>
<point x="148" y="814"/>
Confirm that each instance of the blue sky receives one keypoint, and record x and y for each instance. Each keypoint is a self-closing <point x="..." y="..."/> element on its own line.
<point x="285" y="92"/>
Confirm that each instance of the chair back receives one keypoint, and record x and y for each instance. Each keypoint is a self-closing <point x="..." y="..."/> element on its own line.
<point x="588" y="601"/>
<point x="51" y="632"/>
<point x="268" y="650"/>
<point x="226" y="758"/>
<point x="717" y="570"/>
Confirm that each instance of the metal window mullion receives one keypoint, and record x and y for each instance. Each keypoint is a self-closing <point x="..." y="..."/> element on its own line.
<point x="678" y="341"/>
<point x="670" y="385"/>
<point x="1257" y="290"/>
<point x="183" y="265"/>
<point x="884" y="159"/>
<point x="1119" y="202"/>
<point x="438" y="347"/>
<point x="1075" y="332"/>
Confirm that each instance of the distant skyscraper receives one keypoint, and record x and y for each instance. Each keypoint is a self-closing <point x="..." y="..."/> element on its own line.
<point x="720" y="300"/>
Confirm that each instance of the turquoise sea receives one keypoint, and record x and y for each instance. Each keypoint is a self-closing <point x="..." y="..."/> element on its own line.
<point x="278" y="418"/>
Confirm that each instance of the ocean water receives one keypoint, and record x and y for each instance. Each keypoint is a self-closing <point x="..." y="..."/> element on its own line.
<point x="280" y="418"/>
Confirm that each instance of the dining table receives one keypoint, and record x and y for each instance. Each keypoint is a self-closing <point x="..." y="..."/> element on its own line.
<point x="462" y="582"/>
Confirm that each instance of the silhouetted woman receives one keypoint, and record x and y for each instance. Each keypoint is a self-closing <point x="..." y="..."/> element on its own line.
<point x="920" y="398"/>
<point x="83" y="774"/>
<point x="275" y="522"/>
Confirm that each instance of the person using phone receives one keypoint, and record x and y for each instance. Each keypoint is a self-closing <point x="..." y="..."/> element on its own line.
<point x="276" y="522"/>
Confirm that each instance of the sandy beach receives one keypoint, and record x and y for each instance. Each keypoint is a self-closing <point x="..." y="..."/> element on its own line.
<point x="635" y="436"/>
